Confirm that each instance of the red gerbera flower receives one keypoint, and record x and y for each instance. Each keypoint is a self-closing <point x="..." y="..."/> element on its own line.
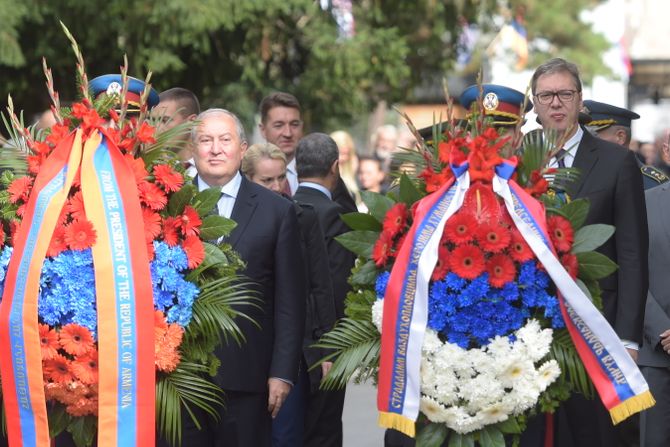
<point x="75" y="206"/>
<point x="467" y="261"/>
<point x="189" y="222"/>
<point x="570" y="263"/>
<point x="19" y="189"/>
<point x="519" y="249"/>
<point x="80" y="234"/>
<point x="493" y="238"/>
<point x="382" y="249"/>
<point x="145" y="134"/>
<point x="48" y="342"/>
<point x="560" y="232"/>
<point x="460" y="228"/>
<point x="20" y="211"/>
<point x="152" y="196"/>
<point x="170" y="231"/>
<point x="501" y="270"/>
<point x="168" y="178"/>
<point x="152" y="224"/>
<point x="85" y="367"/>
<point x="395" y="219"/>
<point x="57" y="244"/>
<point x="75" y="339"/>
<point x="195" y="251"/>
<point x="442" y="266"/>
<point x="58" y="370"/>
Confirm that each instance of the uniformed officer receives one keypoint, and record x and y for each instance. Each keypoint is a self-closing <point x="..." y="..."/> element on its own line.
<point x="112" y="85"/>
<point x="614" y="124"/>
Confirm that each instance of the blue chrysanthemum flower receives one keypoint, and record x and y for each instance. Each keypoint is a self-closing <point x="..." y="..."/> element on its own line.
<point x="381" y="283"/>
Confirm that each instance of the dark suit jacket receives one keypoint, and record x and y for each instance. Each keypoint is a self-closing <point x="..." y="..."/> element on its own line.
<point x="267" y="239"/>
<point x="320" y="306"/>
<point x="612" y="182"/>
<point x="657" y="314"/>
<point x="340" y="259"/>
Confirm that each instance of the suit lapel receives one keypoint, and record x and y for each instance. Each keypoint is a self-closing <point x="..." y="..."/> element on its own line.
<point x="243" y="211"/>
<point x="585" y="160"/>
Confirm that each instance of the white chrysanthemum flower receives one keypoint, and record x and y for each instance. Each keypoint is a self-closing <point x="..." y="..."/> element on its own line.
<point x="499" y="348"/>
<point x="524" y="395"/>
<point x="480" y="392"/>
<point x="548" y="373"/>
<point x="461" y="422"/>
<point x="433" y="410"/>
<point x="431" y="342"/>
<point x="377" y="314"/>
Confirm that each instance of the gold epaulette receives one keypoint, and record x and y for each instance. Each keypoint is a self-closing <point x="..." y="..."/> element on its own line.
<point x="655" y="174"/>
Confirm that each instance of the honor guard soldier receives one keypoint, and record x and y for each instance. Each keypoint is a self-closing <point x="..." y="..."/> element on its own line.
<point x="614" y="124"/>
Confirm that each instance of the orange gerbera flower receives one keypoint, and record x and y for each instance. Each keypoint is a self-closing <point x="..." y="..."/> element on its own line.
<point x="152" y="196"/>
<point x="166" y="348"/>
<point x="195" y="251"/>
<point x="189" y="221"/>
<point x="57" y="244"/>
<point x="85" y="367"/>
<point x="19" y="189"/>
<point x="48" y="342"/>
<point x="75" y="339"/>
<point x="80" y="234"/>
<point x="75" y="206"/>
<point x="58" y="369"/>
<point x="152" y="224"/>
<point x="170" y="234"/>
<point x="168" y="178"/>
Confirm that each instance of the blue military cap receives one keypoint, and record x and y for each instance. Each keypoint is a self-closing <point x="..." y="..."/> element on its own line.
<point x="112" y="84"/>
<point x="605" y="115"/>
<point x="502" y="103"/>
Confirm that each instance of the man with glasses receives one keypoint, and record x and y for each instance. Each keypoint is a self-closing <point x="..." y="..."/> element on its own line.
<point x="611" y="180"/>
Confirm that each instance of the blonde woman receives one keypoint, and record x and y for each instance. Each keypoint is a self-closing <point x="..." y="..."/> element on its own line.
<point x="348" y="162"/>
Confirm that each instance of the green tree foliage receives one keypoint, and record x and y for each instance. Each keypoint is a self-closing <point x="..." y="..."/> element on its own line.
<point x="232" y="53"/>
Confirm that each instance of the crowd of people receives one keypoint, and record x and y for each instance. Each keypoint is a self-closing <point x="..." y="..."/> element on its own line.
<point x="286" y="194"/>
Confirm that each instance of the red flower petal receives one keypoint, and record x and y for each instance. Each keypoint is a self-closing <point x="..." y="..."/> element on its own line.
<point x="561" y="233"/>
<point x="493" y="238"/>
<point x="467" y="261"/>
<point x="195" y="251"/>
<point x="80" y="235"/>
<point x="501" y="270"/>
<point x="382" y="249"/>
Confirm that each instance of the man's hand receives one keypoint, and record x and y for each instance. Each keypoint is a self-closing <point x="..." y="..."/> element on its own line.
<point x="665" y="341"/>
<point x="277" y="392"/>
<point x="632" y="353"/>
<point x="325" y="367"/>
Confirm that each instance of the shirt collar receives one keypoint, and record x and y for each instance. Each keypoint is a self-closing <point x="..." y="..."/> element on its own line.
<point x="318" y="187"/>
<point x="230" y="189"/>
<point x="573" y="143"/>
<point x="291" y="166"/>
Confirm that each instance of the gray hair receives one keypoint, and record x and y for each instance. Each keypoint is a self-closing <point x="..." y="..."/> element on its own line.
<point x="210" y="112"/>
<point x="556" y="65"/>
<point x="315" y="154"/>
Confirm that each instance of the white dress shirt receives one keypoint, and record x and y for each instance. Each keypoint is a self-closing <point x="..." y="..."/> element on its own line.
<point x="228" y="194"/>
<point x="570" y="147"/>
<point x="292" y="176"/>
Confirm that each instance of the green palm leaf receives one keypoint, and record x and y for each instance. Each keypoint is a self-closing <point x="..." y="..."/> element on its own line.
<point x="563" y="350"/>
<point x="184" y="388"/>
<point x="355" y="345"/>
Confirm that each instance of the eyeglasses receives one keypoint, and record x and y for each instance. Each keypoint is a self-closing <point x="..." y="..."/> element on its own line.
<point x="545" y="98"/>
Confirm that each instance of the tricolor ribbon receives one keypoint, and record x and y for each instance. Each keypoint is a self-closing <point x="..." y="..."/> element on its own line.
<point x="613" y="372"/>
<point x="622" y="388"/>
<point x="126" y="410"/>
<point x="406" y="305"/>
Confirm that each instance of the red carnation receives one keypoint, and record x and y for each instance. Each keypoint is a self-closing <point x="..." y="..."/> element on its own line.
<point x="493" y="238"/>
<point x="170" y="233"/>
<point x="195" y="251"/>
<point x="560" y="232"/>
<point x="382" y="249"/>
<point x="168" y="178"/>
<point x="570" y="263"/>
<point x="19" y="189"/>
<point x="501" y="270"/>
<point x="152" y="196"/>
<point x="460" y="228"/>
<point x="395" y="219"/>
<point x="467" y="261"/>
<point x="189" y="222"/>
<point x="145" y="134"/>
<point x="442" y="266"/>
<point x="519" y="249"/>
<point x="57" y="244"/>
<point x="80" y="234"/>
<point x="152" y="224"/>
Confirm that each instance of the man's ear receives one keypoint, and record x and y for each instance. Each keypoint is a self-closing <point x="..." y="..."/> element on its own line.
<point x="191" y="117"/>
<point x="621" y="136"/>
<point x="261" y="127"/>
<point x="335" y="168"/>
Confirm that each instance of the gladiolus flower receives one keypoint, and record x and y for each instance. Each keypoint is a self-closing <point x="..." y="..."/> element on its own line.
<point x="145" y="134"/>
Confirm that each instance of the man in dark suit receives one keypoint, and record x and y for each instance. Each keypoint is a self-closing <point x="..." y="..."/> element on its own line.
<point x="654" y="358"/>
<point x="258" y="374"/>
<point x="611" y="180"/>
<point x="318" y="172"/>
